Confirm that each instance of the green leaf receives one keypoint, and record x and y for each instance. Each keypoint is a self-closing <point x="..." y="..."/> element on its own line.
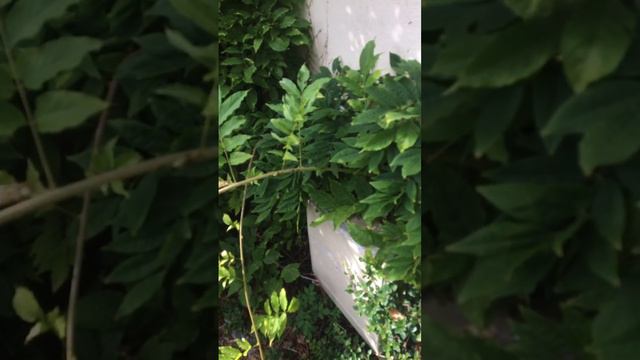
<point x="10" y="119"/>
<point x="26" y="305"/>
<point x="38" y="329"/>
<point x="53" y="253"/>
<point x="457" y="53"/>
<point x="495" y="117"/>
<point x="609" y="212"/>
<point x="616" y="327"/>
<point x="290" y="87"/>
<point x="61" y="109"/>
<point x="229" y="353"/>
<point x="290" y="272"/>
<point x="134" y="268"/>
<point x="233" y="142"/>
<point x="7" y="87"/>
<point x="303" y="76"/>
<point x="279" y="44"/>
<point x="134" y="210"/>
<point x="38" y="65"/>
<point x="597" y="149"/>
<point x="26" y="17"/>
<point x="368" y="116"/>
<point x="496" y="237"/>
<point x="511" y="272"/>
<point x="238" y="157"/>
<point x="368" y="59"/>
<point x="602" y="259"/>
<point x="407" y="135"/>
<point x="187" y="93"/>
<point x="595" y="40"/>
<point x="230" y="105"/>
<point x="233" y="124"/>
<point x="244" y="345"/>
<point x="202" y="12"/>
<point x="550" y="338"/>
<point x="283" y="300"/>
<point x="511" y="55"/>
<point x="275" y="302"/>
<point x="600" y="103"/>
<point x="267" y="307"/>
<point x="536" y="202"/>
<point x="376" y="141"/>
<point x="311" y="92"/>
<point x="285" y="126"/>
<point x="294" y="305"/>
<point x="410" y="161"/>
<point x="58" y="322"/>
<point x="139" y="294"/>
<point x="206" y="55"/>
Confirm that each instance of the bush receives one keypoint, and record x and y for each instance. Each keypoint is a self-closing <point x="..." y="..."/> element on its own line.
<point x="532" y="155"/>
<point x="145" y="290"/>
<point x="346" y="139"/>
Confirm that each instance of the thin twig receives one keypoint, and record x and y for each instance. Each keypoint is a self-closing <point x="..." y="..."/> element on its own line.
<point x="229" y="187"/>
<point x="33" y="126"/>
<point x="244" y="276"/>
<point x="314" y="281"/>
<point x="226" y="155"/>
<point x="50" y="197"/>
<point x="82" y="229"/>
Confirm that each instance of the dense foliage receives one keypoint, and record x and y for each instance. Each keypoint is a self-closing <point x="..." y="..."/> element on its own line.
<point x="346" y="139"/>
<point x="532" y="138"/>
<point x="146" y="286"/>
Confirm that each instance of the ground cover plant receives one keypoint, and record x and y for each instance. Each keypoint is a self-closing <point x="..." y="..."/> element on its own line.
<point x="531" y="131"/>
<point x="105" y="120"/>
<point x="347" y="139"/>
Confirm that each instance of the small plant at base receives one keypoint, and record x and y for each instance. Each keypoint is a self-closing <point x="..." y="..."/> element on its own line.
<point x="393" y="310"/>
<point x="235" y="353"/>
<point x="273" y="324"/>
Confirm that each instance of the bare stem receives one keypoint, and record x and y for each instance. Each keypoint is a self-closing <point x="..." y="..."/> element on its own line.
<point x="244" y="276"/>
<point x="33" y="126"/>
<point x="51" y="197"/>
<point x="75" y="278"/>
<point x="82" y="229"/>
<point x="234" y="185"/>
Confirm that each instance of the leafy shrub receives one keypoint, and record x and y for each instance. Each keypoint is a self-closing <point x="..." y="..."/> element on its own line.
<point x="321" y="325"/>
<point x="284" y="128"/>
<point x="378" y="179"/>
<point x="531" y="136"/>
<point x="257" y="41"/>
<point x="393" y="310"/>
<point x="145" y="290"/>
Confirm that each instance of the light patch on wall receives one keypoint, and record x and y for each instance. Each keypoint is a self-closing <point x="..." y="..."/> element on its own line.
<point x="351" y="41"/>
<point x="348" y="9"/>
<point x="373" y="15"/>
<point x="396" y="33"/>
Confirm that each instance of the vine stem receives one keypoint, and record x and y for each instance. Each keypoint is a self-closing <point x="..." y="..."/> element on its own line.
<point x="33" y="126"/>
<point x="82" y="230"/>
<point x="245" y="286"/>
<point x="51" y="197"/>
<point x="229" y="187"/>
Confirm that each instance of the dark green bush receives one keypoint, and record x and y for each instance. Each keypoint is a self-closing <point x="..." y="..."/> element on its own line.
<point x="146" y="288"/>
<point x="532" y="137"/>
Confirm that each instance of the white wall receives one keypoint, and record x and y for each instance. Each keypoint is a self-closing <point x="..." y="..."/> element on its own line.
<point x="334" y="253"/>
<point x="341" y="28"/>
